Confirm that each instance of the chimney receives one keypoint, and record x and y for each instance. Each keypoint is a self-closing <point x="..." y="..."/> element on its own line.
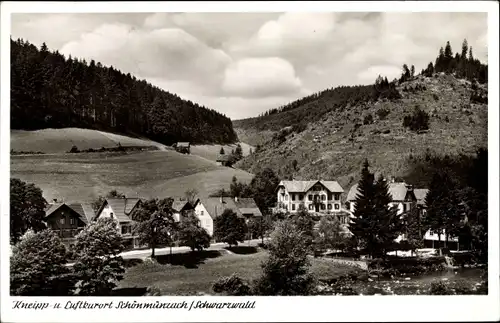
<point x="54" y="200"/>
<point x="236" y="199"/>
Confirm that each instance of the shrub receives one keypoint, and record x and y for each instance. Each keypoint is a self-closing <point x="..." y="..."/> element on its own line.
<point x="153" y="291"/>
<point x="382" y="113"/>
<point x="447" y="119"/>
<point x="74" y="149"/>
<point x="386" y="131"/>
<point x="368" y="119"/>
<point x="435" y="96"/>
<point x="462" y="287"/>
<point x="232" y="286"/>
<point x="418" y="121"/>
<point x="439" y="288"/>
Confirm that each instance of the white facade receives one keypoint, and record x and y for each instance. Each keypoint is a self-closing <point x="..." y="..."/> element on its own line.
<point x="206" y="221"/>
<point x="327" y="202"/>
<point x="123" y="227"/>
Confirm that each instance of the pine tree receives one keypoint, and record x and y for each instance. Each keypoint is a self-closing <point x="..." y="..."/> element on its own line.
<point x="364" y="210"/>
<point x="412" y="71"/>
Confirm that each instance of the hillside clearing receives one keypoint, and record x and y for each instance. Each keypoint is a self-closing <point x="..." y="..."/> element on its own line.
<point x="83" y="177"/>
<point x="211" y="152"/>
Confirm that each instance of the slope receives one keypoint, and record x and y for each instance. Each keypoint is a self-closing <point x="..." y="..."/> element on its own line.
<point x="335" y="146"/>
<point x="83" y="177"/>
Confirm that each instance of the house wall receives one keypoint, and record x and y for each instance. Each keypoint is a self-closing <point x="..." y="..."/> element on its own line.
<point x="289" y="201"/>
<point x="70" y="218"/>
<point x="206" y="220"/>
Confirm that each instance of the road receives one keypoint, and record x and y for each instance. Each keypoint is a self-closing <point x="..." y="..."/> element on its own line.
<point x="144" y="253"/>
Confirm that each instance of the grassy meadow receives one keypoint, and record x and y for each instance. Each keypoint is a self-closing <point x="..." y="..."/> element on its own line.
<point x="195" y="273"/>
<point x="148" y="174"/>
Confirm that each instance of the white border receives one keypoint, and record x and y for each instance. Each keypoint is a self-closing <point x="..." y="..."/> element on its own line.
<point x="357" y="308"/>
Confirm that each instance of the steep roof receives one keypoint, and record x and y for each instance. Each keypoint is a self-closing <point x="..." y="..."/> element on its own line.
<point x="84" y="214"/>
<point x="420" y="194"/>
<point x="215" y="208"/>
<point x="304" y="186"/>
<point x="397" y="190"/>
<point x="179" y="204"/>
<point x="122" y="207"/>
<point x="248" y="206"/>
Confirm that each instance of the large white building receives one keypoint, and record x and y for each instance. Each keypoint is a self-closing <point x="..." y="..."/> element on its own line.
<point x="319" y="196"/>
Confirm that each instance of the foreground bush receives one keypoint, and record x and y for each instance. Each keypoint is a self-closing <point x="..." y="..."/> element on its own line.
<point x="286" y="271"/>
<point x="232" y="286"/>
<point x="439" y="288"/>
<point x="37" y="266"/>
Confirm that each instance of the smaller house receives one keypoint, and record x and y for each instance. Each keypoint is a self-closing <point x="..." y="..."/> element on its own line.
<point x="224" y="160"/>
<point x="120" y="209"/>
<point x="181" y="206"/>
<point x="208" y="209"/>
<point x="183" y="147"/>
<point x="67" y="220"/>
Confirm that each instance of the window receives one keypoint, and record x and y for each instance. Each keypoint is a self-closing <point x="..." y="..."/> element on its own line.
<point x="201" y="212"/>
<point x="337" y="206"/>
<point x="404" y="207"/>
<point x="337" y="196"/>
<point x="316" y="197"/>
<point x="293" y="207"/>
<point x="310" y="197"/>
<point x="71" y="221"/>
<point x="62" y="221"/>
<point x="323" y="197"/>
<point x="124" y="230"/>
<point x="330" y="196"/>
<point x="301" y="197"/>
<point x="311" y="207"/>
<point x="111" y="215"/>
<point x="323" y="206"/>
<point x="329" y="206"/>
<point x="293" y="197"/>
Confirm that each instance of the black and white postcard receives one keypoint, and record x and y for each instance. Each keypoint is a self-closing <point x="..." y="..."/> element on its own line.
<point x="249" y="161"/>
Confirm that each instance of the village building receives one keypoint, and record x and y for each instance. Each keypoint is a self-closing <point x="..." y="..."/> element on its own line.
<point x="180" y="207"/>
<point x="404" y="197"/>
<point x="183" y="147"/>
<point x="67" y="220"/>
<point x="120" y="209"/>
<point x="224" y="160"/>
<point x="208" y="209"/>
<point x="318" y="197"/>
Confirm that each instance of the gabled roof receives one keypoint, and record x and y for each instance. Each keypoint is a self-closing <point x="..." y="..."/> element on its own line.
<point x="398" y="191"/>
<point x="223" y="158"/>
<point x="121" y="207"/>
<point x="420" y="194"/>
<point x="180" y="204"/>
<point x="183" y="144"/>
<point x="215" y="208"/>
<point x="248" y="206"/>
<point x="304" y="186"/>
<point x="82" y="211"/>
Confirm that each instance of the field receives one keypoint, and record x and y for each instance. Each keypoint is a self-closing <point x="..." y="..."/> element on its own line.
<point x="195" y="275"/>
<point x="53" y="141"/>
<point x="83" y="177"/>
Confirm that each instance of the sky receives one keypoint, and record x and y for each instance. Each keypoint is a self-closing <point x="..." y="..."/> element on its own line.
<point x="242" y="64"/>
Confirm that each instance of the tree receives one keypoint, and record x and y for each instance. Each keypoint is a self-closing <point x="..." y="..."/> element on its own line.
<point x="388" y="224"/>
<point x="263" y="187"/>
<point x="259" y="226"/>
<point x="305" y="224"/>
<point x="96" y="204"/>
<point x="154" y="223"/>
<point x="222" y="152"/>
<point x="229" y="228"/>
<point x="414" y="228"/>
<point x="418" y="121"/>
<point x="294" y="164"/>
<point x="412" y="71"/>
<point x="238" y="152"/>
<point x="191" y="234"/>
<point x="27" y="209"/>
<point x="286" y="270"/>
<point x="98" y="265"/>
<point x="38" y="266"/>
<point x="330" y="234"/>
<point x="191" y="195"/>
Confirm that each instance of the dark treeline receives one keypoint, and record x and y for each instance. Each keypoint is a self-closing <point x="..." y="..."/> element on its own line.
<point x="49" y="90"/>
<point x="313" y="107"/>
<point x="462" y="64"/>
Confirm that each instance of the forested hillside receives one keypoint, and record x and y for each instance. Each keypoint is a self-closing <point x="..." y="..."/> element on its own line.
<point x="49" y="90"/>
